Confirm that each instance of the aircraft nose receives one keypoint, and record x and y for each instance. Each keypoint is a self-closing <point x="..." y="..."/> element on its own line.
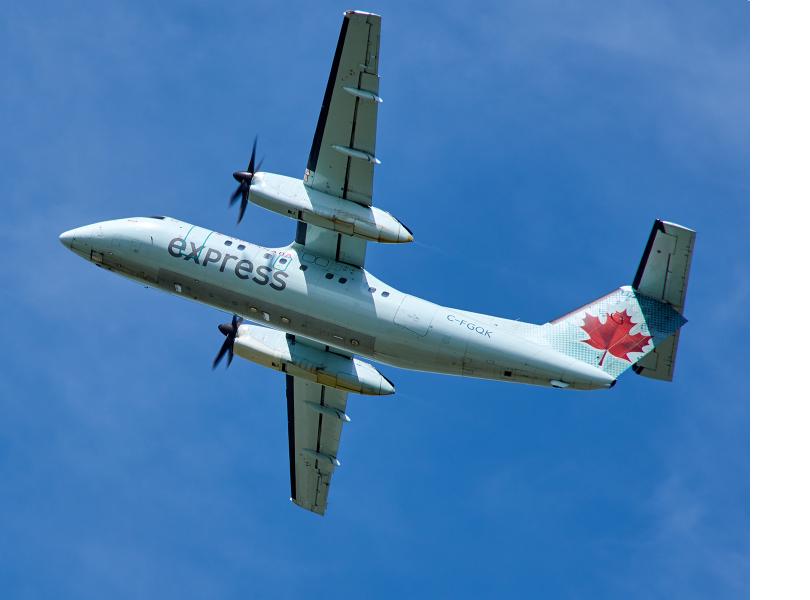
<point x="79" y="240"/>
<point x="65" y="239"/>
<point x="72" y="235"/>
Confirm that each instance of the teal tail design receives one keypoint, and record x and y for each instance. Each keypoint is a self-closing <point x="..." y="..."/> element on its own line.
<point x="635" y="326"/>
<point x="616" y="331"/>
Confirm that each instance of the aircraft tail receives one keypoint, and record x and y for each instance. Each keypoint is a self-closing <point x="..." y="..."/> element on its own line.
<point x="635" y="326"/>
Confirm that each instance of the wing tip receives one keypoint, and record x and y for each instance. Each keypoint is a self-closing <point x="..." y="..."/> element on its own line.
<point x="361" y="13"/>
<point x="676" y="225"/>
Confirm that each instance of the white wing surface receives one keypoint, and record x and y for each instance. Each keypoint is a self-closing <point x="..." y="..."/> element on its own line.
<point x="315" y="416"/>
<point x="342" y="159"/>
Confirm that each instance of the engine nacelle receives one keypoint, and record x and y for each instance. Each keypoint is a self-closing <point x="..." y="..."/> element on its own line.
<point x="272" y="349"/>
<point x="290" y="197"/>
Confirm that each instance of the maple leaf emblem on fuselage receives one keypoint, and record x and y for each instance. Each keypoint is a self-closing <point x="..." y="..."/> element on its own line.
<point x="613" y="335"/>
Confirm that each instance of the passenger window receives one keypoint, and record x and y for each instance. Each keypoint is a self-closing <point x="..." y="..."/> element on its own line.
<point x="342" y="280"/>
<point x="329" y="276"/>
<point x="240" y="247"/>
<point x="303" y="267"/>
<point x="372" y="290"/>
<point x="385" y="294"/>
<point x="228" y="242"/>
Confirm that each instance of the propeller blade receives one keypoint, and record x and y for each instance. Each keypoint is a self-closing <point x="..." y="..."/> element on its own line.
<point x="235" y="194"/>
<point x="221" y="353"/>
<point x="229" y="330"/>
<point x="245" y="178"/>
<point x="242" y="207"/>
<point x="253" y="156"/>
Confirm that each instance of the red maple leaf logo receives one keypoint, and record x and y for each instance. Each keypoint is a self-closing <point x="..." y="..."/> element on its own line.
<point x="613" y="335"/>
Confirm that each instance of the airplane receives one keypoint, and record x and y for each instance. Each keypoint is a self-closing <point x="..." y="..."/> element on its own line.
<point x="312" y="311"/>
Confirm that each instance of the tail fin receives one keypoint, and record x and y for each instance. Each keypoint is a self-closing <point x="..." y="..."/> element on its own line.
<point x="634" y="326"/>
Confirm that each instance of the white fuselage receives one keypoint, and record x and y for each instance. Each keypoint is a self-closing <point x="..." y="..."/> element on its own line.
<point x="331" y="302"/>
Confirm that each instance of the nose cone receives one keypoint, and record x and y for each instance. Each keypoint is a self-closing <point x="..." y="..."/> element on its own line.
<point x="79" y="240"/>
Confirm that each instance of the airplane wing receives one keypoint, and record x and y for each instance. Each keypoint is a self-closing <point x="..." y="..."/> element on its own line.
<point x="342" y="159"/>
<point x="341" y="163"/>
<point x="315" y="416"/>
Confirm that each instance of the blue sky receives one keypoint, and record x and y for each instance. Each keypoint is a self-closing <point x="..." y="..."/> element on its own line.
<point x="529" y="146"/>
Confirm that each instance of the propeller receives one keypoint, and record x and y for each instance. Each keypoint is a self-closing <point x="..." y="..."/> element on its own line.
<point x="244" y="178"/>
<point x="229" y="330"/>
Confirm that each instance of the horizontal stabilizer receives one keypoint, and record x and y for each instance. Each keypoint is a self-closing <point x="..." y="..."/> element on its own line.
<point x="660" y="363"/>
<point x="663" y="273"/>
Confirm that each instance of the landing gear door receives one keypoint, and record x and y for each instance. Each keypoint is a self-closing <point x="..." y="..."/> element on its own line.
<point x="415" y="315"/>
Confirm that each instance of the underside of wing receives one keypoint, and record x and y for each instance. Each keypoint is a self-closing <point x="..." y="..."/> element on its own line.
<point x="342" y="158"/>
<point x="315" y="416"/>
<point x="341" y="161"/>
<point x="331" y="244"/>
